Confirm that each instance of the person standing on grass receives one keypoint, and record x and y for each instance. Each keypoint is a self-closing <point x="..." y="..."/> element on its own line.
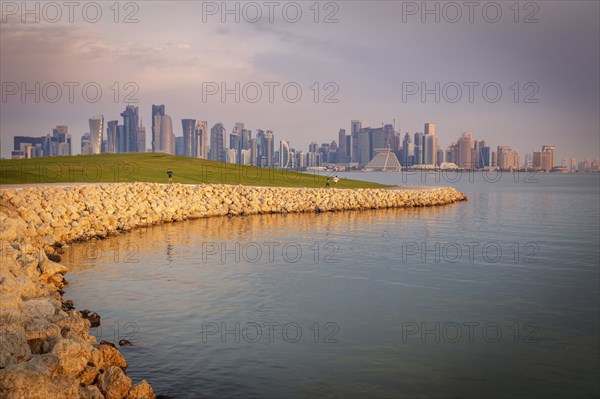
<point x="335" y="181"/>
<point x="327" y="182"/>
<point x="170" y="174"/>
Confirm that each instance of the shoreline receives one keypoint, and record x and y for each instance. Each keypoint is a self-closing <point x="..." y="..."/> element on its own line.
<point x="45" y="346"/>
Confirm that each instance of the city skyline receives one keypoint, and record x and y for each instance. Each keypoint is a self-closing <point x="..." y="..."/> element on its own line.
<point x="356" y="149"/>
<point x="338" y="61"/>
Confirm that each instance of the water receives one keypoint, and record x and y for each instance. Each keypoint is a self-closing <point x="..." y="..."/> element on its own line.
<point x="494" y="297"/>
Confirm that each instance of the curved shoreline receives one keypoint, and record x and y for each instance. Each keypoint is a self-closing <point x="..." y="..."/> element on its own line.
<point x="45" y="346"/>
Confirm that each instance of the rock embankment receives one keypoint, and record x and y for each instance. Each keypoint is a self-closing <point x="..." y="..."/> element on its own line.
<point x="45" y="347"/>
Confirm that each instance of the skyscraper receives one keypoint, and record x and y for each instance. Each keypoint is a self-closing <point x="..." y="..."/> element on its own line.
<point x="111" y="136"/>
<point x="235" y="143"/>
<point x="189" y="127"/>
<point x="217" y="143"/>
<point x="163" y="139"/>
<point x="130" y="128"/>
<point x="200" y="143"/>
<point x="418" y="152"/>
<point x="269" y="147"/>
<point x="284" y="154"/>
<point x="341" y="153"/>
<point x="356" y="126"/>
<point x="548" y="154"/>
<point x="141" y="138"/>
<point x="157" y="112"/>
<point x="96" y="133"/>
<point x="364" y="146"/>
<point x="465" y="152"/>
<point x="408" y="151"/>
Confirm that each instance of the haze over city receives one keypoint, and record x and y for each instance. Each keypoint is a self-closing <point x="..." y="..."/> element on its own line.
<point x="372" y="64"/>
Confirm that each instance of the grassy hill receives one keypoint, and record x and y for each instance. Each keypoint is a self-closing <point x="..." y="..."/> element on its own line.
<point x="152" y="167"/>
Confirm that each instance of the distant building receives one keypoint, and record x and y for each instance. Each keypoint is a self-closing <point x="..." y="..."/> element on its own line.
<point x="179" y="146"/>
<point x="130" y="129"/>
<point x="96" y="133"/>
<point x="548" y="154"/>
<point x="284" y="155"/>
<point x="86" y="144"/>
<point x="217" y="143"/>
<point x="163" y="139"/>
<point x="384" y="161"/>
<point x="111" y="137"/>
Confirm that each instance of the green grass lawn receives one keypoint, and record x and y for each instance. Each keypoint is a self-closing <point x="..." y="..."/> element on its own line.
<point x="152" y="167"/>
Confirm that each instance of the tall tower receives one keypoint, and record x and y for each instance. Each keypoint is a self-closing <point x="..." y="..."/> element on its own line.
<point x="429" y="145"/>
<point x="111" y="137"/>
<point x="284" y="154"/>
<point x="96" y="130"/>
<point x="200" y="140"/>
<point x="341" y="153"/>
<point x="269" y="147"/>
<point x="141" y="138"/>
<point x="548" y="154"/>
<point x="418" y="153"/>
<point x="158" y="112"/>
<point x="217" y="143"/>
<point x="188" y="126"/>
<point x="356" y="126"/>
<point x="465" y="151"/>
<point x="130" y="128"/>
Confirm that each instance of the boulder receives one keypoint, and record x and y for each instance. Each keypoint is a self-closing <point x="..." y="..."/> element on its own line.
<point x="143" y="390"/>
<point x="113" y="383"/>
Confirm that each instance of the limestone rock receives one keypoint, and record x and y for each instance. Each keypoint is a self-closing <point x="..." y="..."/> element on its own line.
<point x="73" y="356"/>
<point x="113" y="383"/>
<point x="106" y="356"/>
<point x="33" y="380"/>
<point x="13" y="345"/>
<point x="143" y="390"/>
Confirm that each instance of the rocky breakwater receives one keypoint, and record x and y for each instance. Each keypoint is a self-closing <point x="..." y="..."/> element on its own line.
<point x="45" y="347"/>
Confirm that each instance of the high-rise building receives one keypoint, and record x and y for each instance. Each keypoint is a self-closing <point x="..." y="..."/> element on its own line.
<point x="430" y="149"/>
<point x="430" y="129"/>
<point x="408" y="151"/>
<point x="163" y="139"/>
<point x="356" y="127"/>
<point x="141" y="138"/>
<point x="418" y="152"/>
<point x="231" y="155"/>
<point x="200" y="142"/>
<point x="364" y="146"/>
<point x="111" y="137"/>
<point x="548" y="154"/>
<point x="505" y="157"/>
<point x="341" y="153"/>
<point x="235" y="142"/>
<point x="269" y="147"/>
<point x="189" y="131"/>
<point x="484" y="156"/>
<point x="157" y="112"/>
<point x="429" y="145"/>
<point x="86" y="144"/>
<point x="440" y="157"/>
<point x="537" y="160"/>
<point x="465" y="151"/>
<point x="284" y="154"/>
<point x="130" y="129"/>
<point x="217" y="142"/>
<point x="96" y="130"/>
<point x="253" y="152"/>
<point x="179" y="146"/>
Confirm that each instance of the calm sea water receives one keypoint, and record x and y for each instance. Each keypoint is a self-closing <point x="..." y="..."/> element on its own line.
<point x="495" y="297"/>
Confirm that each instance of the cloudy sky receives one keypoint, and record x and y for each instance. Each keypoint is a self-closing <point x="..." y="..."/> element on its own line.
<point x="367" y="59"/>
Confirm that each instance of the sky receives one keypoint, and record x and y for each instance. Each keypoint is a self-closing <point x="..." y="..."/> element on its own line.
<point x="522" y="74"/>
